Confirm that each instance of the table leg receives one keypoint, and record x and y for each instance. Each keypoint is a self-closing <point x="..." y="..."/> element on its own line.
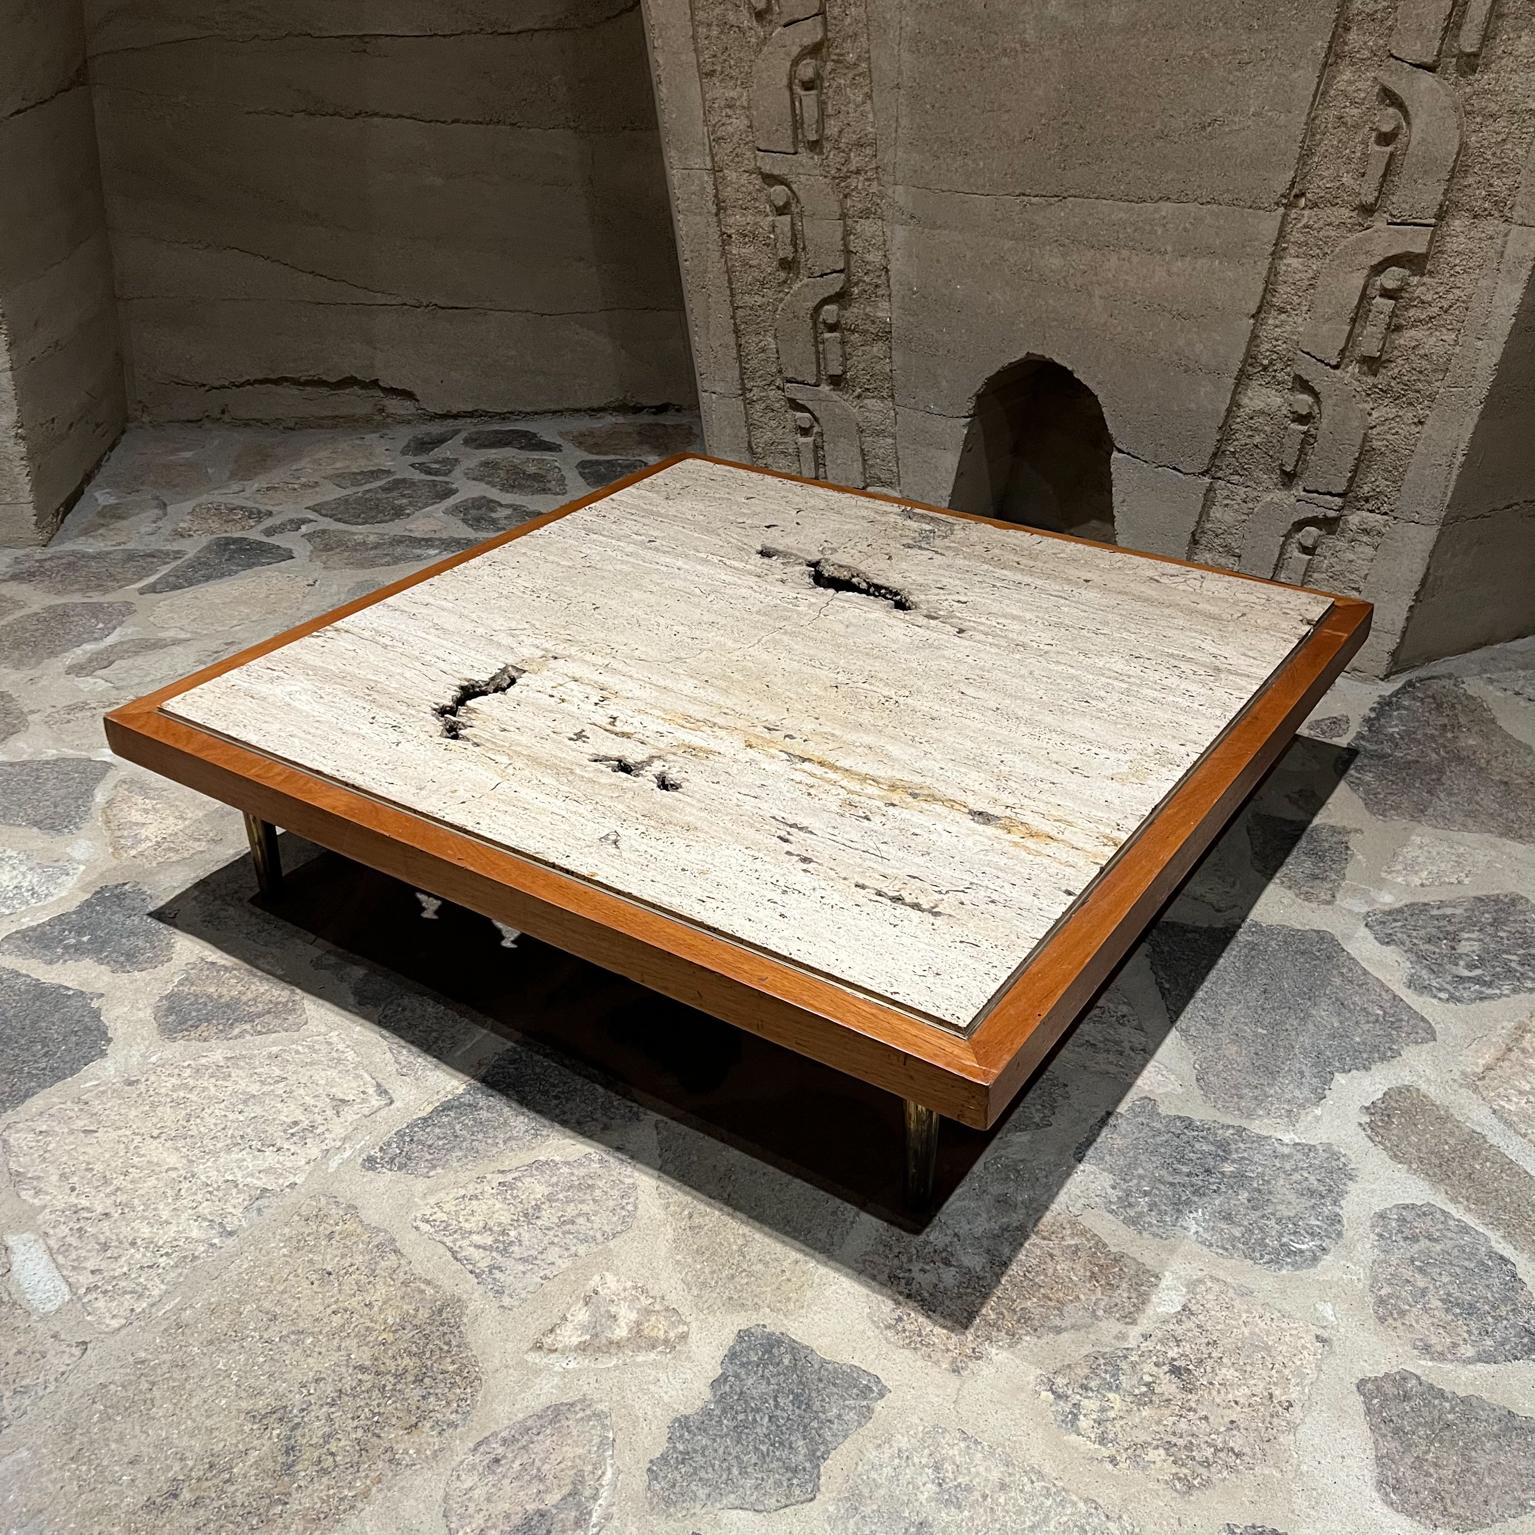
<point x="264" y="854"/>
<point x="921" y="1156"/>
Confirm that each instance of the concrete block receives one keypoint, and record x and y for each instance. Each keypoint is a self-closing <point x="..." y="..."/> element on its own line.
<point x="1190" y="101"/>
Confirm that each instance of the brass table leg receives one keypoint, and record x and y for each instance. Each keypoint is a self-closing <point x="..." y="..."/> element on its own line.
<point x="264" y="854"/>
<point x="921" y="1156"/>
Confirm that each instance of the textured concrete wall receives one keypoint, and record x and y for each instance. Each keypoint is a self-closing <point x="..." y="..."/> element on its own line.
<point x="1261" y="234"/>
<point x="61" y="402"/>
<point x="327" y="208"/>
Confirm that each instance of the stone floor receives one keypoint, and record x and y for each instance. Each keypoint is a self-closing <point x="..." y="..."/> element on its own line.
<point x="297" y="1238"/>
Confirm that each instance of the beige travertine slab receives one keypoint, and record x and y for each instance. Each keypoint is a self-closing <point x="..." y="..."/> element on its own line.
<point x="902" y="787"/>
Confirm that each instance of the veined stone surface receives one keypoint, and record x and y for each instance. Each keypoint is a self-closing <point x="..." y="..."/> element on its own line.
<point x="779" y="712"/>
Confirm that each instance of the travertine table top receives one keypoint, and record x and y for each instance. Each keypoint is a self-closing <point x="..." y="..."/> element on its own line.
<point x="887" y="746"/>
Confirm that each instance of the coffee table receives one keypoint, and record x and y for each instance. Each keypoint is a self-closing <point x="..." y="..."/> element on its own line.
<point x="890" y="785"/>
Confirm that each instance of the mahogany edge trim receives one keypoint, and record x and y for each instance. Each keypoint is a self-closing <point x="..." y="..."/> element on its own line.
<point x="970" y="1079"/>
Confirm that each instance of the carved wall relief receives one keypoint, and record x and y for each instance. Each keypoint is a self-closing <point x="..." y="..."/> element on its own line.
<point x="1408" y="157"/>
<point x="808" y="229"/>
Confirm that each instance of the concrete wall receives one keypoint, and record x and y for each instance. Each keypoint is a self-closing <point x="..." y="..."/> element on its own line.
<point x="61" y="399"/>
<point x="1257" y="231"/>
<point x="329" y="208"/>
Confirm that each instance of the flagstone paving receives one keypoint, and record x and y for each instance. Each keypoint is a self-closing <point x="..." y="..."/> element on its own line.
<point x="297" y="1234"/>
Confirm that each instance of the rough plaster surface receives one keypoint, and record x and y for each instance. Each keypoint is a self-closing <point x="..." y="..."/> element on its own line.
<point x="1108" y="1329"/>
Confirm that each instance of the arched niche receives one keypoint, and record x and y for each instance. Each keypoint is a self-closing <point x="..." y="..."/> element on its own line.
<point x="1038" y="451"/>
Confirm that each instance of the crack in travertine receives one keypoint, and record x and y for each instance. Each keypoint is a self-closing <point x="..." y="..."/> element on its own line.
<point x="833" y="576"/>
<point x="451" y="713"/>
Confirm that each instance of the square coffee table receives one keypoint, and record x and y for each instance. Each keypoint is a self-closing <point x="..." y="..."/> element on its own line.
<point x="891" y="785"/>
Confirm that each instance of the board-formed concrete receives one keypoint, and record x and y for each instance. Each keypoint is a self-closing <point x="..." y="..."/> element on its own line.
<point x="321" y="212"/>
<point x="885" y="745"/>
<point x="1283" y="244"/>
<point x="61" y="388"/>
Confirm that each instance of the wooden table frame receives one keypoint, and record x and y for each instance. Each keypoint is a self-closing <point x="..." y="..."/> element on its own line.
<point x="971" y="1079"/>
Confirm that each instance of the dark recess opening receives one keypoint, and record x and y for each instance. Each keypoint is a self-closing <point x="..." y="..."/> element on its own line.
<point x="1037" y="451"/>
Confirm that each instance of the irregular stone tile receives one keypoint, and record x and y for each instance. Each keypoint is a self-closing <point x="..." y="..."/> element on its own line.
<point x="1113" y="1041"/>
<point x="515" y="1230"/>
<point x="1450" y="1462"/>
<point x="776" y="1411"/>
<point x="217" y="1001"/>
<point x="1505" y="1078"/>
<point x="597" y="472"/>
<point x="435" y="468"/>
<point x="516" y="437"/>
<point x="487" y="515"/>
<point x="50" y="1032"/>
<point x="108" y="928"/>
<point x="349" y="479"/>
<point x="1273" y="1202"/>
<point x="25" y="882"/>
<point x="1427" y="1139"/>
<point x="313" y="1371"/>
<point x="217" y="560"/>
<point x="152" y="821"/>
<point x="519" y="1098"/>
<point x="1477" y="949"/>
<point x="990" y="1270"/>
<point x="1331" y="727"/>
<point x="1273" y="1014"/>
<point x="94" y="662"/>
<point x="420" y="1031"/>
<point x="10" y="603"/>
<point x="1446" y="1291"/>
<point x="32" y="1361"/>
<point x="1424" y="860"/>
<point x="1250" y="1529"/>
<point x="720" y="1208"/>
<point x="55" y="630"/>
<point x="614" y="1321"/>
<point x="286" y="525"/>
<point x="550" y="1473"/>
<point x="655" y="439"/>
<point x="1214" y="1392"/>
<point x="51" y="794"/>
<point x="337" y="550"/>
<point x="471" y="1126"/>
<point x="422" y="443"/>
<point x="1431" y="752"/>
<point x="221" y="517"/>
<point x="13" y="718"/>
<point x="88" y="572"/>
<point x="135" y="1179"/>
<point x="519" y="476"/>
<point x="394" y="499"/>
<point x="941" y="1481"/>
<point x="1309" y="858"/>
<point x="43" y="1289"/>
